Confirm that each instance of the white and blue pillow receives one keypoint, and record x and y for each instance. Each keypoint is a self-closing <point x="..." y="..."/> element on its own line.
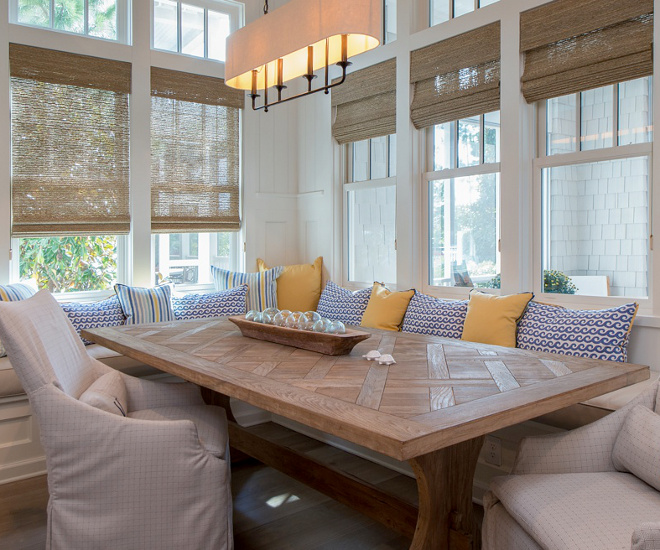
<point x="341" y="304"/>
<point x="211" y="304"/>
<point x="106" y="313"/>
<point x="597" y="334"/>
<point x="145" y="305"/>
<point x="262" y="292"/>
<point x="435" y="317"/>
<point x="15" y="293"/>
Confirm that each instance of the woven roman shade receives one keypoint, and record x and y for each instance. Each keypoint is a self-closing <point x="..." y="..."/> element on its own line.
<point x="70" y="143"/>
<point x="366" y="104"/>
<point x="576" y="45"/>
<point x="456" y="78"/>
<point x="195" y="153"/>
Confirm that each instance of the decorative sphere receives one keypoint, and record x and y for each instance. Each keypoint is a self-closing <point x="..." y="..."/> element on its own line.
<point x="250" y="315"/>
<point x="272" y="311"/>
<point x="337" y="327"/>
<point x="267" y="318"/>
<point x="279" y="319"/>
<point x="258" y="317"/>
<point x="295" y="320"/>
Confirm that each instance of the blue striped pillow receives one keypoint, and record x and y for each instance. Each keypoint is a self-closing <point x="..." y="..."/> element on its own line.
<point x="210" y="304"/>
<point x="106" y="313"/>
<point x="262" y="291"/>
<point x="15" y="293"/>
<point x="145" y="305"/>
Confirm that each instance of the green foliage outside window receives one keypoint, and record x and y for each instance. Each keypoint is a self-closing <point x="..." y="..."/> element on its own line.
<point x="69" y="15"/>
<point x="70" y="264"/>
<point x="553" y="282"/>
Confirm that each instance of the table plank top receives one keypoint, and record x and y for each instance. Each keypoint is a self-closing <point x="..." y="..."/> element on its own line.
<point x="439" y="392"/>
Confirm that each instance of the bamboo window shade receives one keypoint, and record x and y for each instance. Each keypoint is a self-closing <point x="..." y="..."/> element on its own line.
<point x="575" y="45"/>
<point x="195" y="153"/>
<point x="366" y="104"/>
<point x="456" y="78"/>
<point x="70" y="143"/>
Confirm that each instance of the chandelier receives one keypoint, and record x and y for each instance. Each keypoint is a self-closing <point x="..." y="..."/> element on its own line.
<point x="298" y="39"/>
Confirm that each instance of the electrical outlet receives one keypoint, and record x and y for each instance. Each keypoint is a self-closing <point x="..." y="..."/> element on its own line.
<point x="493" y="449"/>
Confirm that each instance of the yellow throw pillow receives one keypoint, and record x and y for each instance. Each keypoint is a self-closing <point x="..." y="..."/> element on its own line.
<point x="386" y="309"/>
<point x="299" y="286"/>
<point x="493" y="319"/>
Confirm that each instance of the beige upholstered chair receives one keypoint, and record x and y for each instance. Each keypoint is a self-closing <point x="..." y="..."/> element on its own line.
<point x="156" y="479"/>
<point x="576" y="490"/>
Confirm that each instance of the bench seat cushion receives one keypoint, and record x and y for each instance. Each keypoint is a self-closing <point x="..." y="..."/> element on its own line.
<point x="588" y="511"/>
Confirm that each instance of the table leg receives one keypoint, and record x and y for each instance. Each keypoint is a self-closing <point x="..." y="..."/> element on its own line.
<point x="444" y="484"/>
<point x="212" y="397"/>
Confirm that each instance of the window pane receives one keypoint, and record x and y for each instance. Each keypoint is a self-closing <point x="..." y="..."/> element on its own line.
<point x="597" y="118"/>
<point x="463" y="231"/>
<point x="192" y="30"/>
<point x="439" y="11"/>
<point x="360" y="160"/>
<point x="390" y="21"/>
<point x="34" y="12"/>
<point x="635" y="117"/>
<point x="443" y="146"/>
<point x="186" y="258"/>
<point x="483" y="3"/>
<point x="392" y="154"/>
<point x="461" y="7"/>
<point x="468" y="141"/>
<point x="70" y="264"/>
<point x="561" y="115"/>
<point x="371" y="235"/>
<point x="69" y="15"/>
<point x="379" y="158"/>
<point x="165" y="24"/>
<point x="103" y="18"/>
<point x="492" y="137"/>
<point x="219" y="26"/>
<point x="596" y="225"/>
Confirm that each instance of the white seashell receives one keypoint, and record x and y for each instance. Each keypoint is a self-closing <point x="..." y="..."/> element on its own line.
<point x="373" y="354"/>
<point x="386" y="359"/>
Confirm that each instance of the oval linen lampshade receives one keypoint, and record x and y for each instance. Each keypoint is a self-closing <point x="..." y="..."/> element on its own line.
<point x="285" y="33"/>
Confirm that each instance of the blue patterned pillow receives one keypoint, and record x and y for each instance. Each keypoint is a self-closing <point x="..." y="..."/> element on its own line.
<point x="597" y="334"/>
<point x="106" y="313"/>
<point x="436" y="317"/>
<point x="262" y="292"/>
<point x="211" y="304"/>
<point x="145" y="305"/>
<point x="15" y="293"/>
<point x="340" y="304"/>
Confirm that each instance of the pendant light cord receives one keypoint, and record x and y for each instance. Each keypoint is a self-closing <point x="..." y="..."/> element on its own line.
<point x="265" y="7"/>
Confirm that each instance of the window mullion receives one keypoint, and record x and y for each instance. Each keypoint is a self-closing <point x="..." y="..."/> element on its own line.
<point x="615" y="115"/>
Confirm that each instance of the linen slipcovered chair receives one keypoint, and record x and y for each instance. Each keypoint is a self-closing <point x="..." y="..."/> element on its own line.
<point x="596" y="487"/>
<point x="156" y="479"/>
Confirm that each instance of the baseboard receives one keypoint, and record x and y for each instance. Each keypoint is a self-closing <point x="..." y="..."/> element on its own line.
<point x="17" y="471"/>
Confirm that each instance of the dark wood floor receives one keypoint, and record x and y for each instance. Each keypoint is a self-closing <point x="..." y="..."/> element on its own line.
<point x="271" y="511"/>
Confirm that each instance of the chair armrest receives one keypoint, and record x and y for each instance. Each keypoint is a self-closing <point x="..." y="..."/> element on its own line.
<point x="646" y="536"/>
<point x="148" y="394"/>
<point x="586" y="449"/>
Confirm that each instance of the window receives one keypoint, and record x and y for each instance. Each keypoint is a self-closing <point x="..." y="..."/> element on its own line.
<point x="98" y="18"/>
<point x="389" y="21"/>
<point x="463" y="202"/>
<point x="197" y="27"/>
<point x="370" y="210"/>
<point x="444" y="10"/>
<point x="186" y="258"/>
<point x="595" y="184"/>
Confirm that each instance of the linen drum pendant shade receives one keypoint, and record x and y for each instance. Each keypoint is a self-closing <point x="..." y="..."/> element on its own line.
<point x="366" y="104"/>
<point x="457" y="77"/>
<point x="590" y="43"/>
<point x="195" y="153"/>
<point x="286" y="33"/>
<point x="70" y="143"/>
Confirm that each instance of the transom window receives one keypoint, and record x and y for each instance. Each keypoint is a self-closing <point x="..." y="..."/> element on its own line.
<point x="195" y="27"/>
<point x="370" y="210"/>
<point x="444" y="10"/>
<point x="463" y="202"/>
<point x="595" y="183"/>
<point x="98" y="18"/>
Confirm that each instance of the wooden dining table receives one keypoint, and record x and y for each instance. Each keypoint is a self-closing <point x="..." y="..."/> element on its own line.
<point x="431" y="408"/>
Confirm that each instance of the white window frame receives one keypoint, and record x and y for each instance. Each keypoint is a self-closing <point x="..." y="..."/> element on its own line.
<point x="348" y="186"/>
<point x="451" y="10"/>
<point x="123" y="21"/>
<point x="229" y="7"/>
<point x="453" y="292"/>
<point x="542" y="161"/>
